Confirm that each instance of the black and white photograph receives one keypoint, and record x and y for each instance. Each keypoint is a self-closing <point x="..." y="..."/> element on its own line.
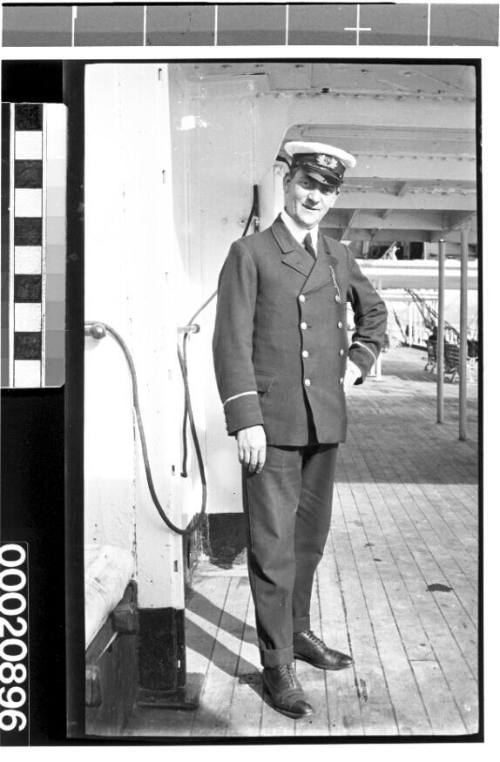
<point x="243" y="294"/>
<point x="215" y="173"/>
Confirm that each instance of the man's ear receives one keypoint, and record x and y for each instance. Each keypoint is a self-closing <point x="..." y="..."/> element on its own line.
<point x="286" y="181"/>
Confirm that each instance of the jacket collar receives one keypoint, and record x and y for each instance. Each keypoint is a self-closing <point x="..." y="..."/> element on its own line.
<point x="317" y="274"/>
<point x="293" y="255"/>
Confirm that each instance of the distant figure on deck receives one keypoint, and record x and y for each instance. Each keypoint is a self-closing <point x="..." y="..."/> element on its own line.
<point x="282" y="361"/>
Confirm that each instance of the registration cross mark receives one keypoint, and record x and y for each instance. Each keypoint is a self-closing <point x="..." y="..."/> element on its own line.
<point x="357" y="28"/>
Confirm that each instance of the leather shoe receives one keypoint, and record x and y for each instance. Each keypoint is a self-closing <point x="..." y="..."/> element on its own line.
<point x="285" y="692"/>
<point x="308" y="647"/>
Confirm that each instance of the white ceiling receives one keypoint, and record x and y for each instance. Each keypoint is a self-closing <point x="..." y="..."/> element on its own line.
<point x="411" y="182"/>
<point x="444" y="80"/>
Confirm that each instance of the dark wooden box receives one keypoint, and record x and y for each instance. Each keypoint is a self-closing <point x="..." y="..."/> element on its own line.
<point x="111" y="670"/>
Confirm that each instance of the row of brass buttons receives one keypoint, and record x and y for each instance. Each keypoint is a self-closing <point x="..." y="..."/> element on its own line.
<point x="304" y="326"/>
<point x="302" y="298"/>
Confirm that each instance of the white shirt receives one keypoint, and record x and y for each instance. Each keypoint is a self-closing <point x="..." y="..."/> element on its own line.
<point x="298" y="232"/>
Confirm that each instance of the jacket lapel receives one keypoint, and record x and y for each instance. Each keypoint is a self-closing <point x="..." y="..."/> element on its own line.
<point x="293" y="255"/>
<point x="316" y="273"/>
<point x="320" y="275"/>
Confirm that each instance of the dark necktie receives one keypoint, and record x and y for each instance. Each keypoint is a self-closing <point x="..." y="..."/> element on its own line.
<point x="308" y="246"/>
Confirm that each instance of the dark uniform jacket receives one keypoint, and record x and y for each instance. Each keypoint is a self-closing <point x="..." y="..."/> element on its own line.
<point x="280" y="335"/>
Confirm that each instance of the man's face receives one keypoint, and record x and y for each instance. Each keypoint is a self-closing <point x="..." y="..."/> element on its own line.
<point x="307" y="200"/>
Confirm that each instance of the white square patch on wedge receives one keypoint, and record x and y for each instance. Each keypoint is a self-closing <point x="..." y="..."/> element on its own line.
<point x="28" y="144"/>
<point x="28" y="202"/>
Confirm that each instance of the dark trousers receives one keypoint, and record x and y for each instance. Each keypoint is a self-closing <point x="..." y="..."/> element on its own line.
<point x="288" y="508"/>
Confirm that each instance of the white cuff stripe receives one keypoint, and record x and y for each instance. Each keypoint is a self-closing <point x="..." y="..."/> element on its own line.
<point x="235" y="397"/>
<point x="359" y="344"/>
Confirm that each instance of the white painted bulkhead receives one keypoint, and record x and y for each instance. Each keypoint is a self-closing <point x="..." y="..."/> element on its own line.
<point x="133" y="282"/>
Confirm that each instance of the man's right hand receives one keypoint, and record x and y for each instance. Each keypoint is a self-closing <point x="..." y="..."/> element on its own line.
<point x="252" y="448"/>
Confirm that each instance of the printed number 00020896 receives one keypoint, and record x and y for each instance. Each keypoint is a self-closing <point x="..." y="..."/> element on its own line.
<point x="13" y="629"/>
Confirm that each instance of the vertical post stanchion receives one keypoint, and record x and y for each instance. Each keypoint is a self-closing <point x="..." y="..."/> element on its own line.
<point x="462" y="391"/>
<point x="440" y="334"/>
<point x="378" y="364"/>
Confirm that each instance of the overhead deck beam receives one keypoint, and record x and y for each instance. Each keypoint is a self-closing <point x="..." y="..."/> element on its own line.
<point x="386" y="236"/>
<point x="373" y="199"/>
<point x="411" y="220"/>
<point x="453" y="236"/>
<point x="400" y="109"/>
<point x="415" y="167"/>
<point x="390" y="139"/>
<point x="461" y="220"/>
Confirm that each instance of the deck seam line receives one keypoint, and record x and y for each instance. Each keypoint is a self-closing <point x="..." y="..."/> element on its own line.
<point x="382" y="667"/>
<point x="423" y="575"/>
<point x="437" y="605"/>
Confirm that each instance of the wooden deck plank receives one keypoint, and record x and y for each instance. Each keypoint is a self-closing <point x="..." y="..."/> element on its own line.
<point x="448" y="654"/>
<point x="460" y="606"/>
<point x="387" y="551"/>
<point x="406" y="616"/>
<point x="406" y="700"/>
<point x="376" y="707"/>
<point x="426" y="515"/>
<point x="435" y="530"/>
<point x="459" y="618"/>
<point x="200" y="643"/>
<point x="462" y="565"/>
<point x="432" y="531"/>
<point x="220" y="678"/>
<point x="441" y="707"/>
<point x="341" y="693"/>
<point x="410" y="562"/>
<point x="427" y="481"/>
<point x="314" y="683"/>
<point x="204" y="614"/>
<point x="246" y="703"/>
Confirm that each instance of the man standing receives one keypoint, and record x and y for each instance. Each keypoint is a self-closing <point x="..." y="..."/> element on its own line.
<point x="282" y="362"/>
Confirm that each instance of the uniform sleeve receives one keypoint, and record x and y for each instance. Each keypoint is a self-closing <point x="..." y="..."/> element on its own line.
<point x="370" y="319"/>
<point x="233" y="340"/>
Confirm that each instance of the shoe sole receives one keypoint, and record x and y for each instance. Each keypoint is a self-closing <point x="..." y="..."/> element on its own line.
<point x="322" y="666"/>
<point x="286" y="712"/>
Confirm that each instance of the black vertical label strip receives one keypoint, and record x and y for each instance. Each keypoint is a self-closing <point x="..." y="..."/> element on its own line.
<point x="32" y="499"/>
<point x="73" y="88"/>
<point x="5" y="243"/>
<point x="32" y="487"/>
<point x="14" y="645"/>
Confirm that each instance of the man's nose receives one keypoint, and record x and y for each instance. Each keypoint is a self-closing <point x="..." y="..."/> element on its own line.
<point x="314" y="195"/>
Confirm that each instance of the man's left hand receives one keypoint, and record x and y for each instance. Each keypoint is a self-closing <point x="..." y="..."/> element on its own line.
<point x="352" y="373"/>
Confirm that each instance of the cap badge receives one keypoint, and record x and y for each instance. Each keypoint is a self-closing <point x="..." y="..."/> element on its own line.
<point x="324" y="160"/>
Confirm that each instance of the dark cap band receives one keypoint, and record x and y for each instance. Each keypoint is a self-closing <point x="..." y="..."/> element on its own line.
<point x="328" y="167"/>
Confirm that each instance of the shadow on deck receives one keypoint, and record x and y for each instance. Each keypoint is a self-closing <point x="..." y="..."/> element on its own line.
<point x="397" y="587"/>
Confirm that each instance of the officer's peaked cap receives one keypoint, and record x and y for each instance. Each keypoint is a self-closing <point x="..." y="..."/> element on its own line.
<point x="320" y="160"/>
